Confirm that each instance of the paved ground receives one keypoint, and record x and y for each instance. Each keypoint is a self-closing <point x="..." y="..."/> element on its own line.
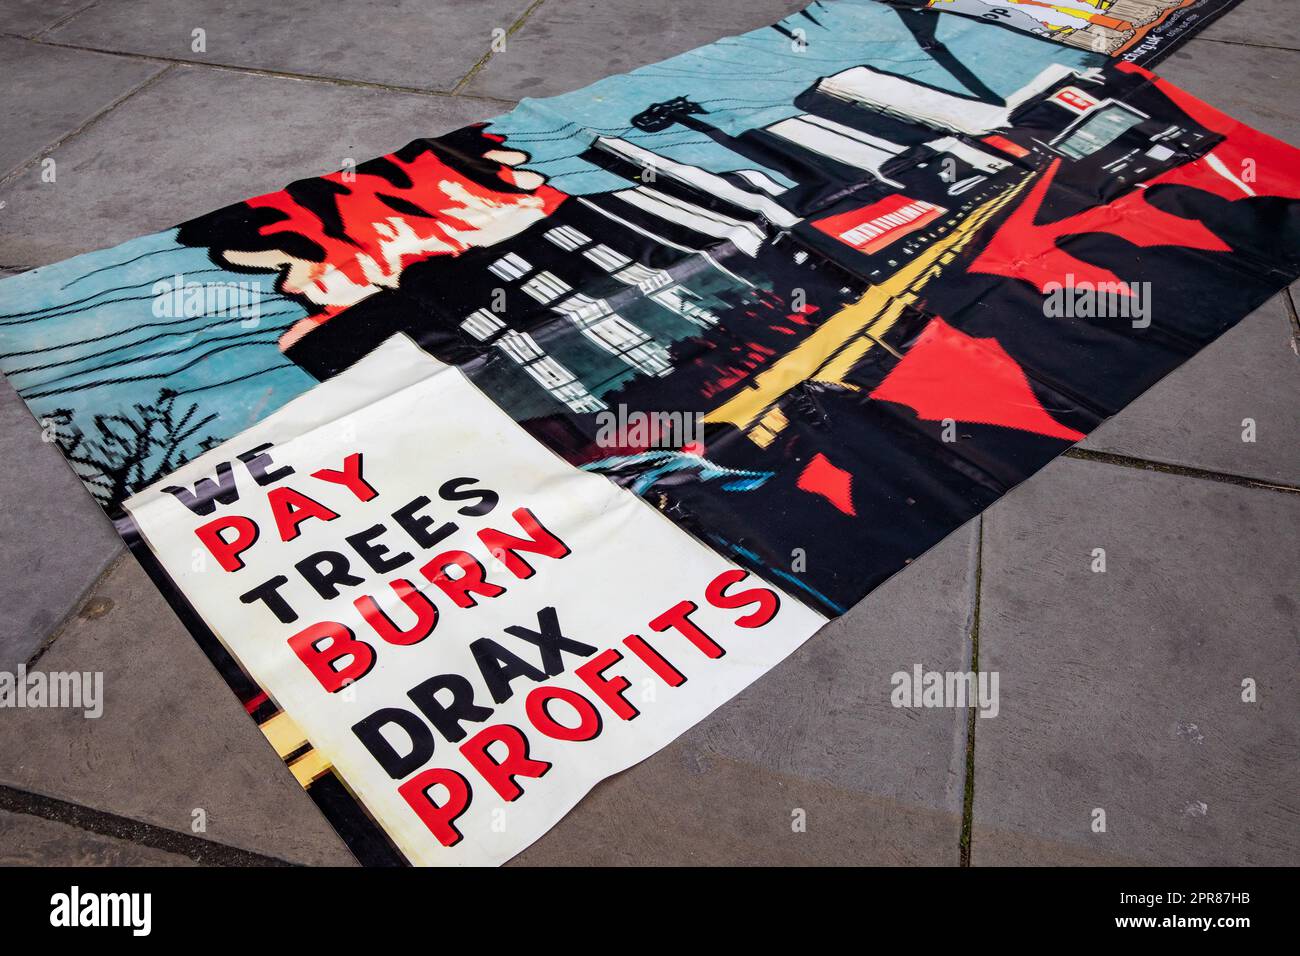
<point x="1120" y="692"/>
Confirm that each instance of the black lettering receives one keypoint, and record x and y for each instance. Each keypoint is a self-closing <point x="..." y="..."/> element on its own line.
<point x="447" y="718"/>
<point x="451" y="491"/>
<point x="417" y="526"/>
<point x="373" y="554"/>
<point x="268" y="592"/>
<point x="207" y="493"/>
<point x="327" y="571"/>
<point x="256" y="462"/>
<point x="369" y="731"/>
<point x="550" y="641"/>
<point x="499" y="667"/>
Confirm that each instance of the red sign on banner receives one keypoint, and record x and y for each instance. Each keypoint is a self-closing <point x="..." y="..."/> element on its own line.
<point x="1075" y="99"/>
<point x="873" y="227"/>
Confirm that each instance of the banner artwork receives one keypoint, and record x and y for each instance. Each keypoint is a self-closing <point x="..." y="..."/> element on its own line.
<point x="484" y="469"/>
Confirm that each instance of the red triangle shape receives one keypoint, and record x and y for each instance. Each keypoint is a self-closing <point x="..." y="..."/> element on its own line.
<point x="822" y="477"/>
<point x="948" y="374"/>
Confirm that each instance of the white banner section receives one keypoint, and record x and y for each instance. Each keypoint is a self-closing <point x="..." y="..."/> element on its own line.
<point x="469" y="631"/>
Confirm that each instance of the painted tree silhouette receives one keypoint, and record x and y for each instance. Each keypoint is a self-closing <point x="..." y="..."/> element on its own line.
<point x="129" y="451"/>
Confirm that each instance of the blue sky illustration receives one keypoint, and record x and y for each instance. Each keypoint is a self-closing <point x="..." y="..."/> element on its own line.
<point x="83" y="335"/>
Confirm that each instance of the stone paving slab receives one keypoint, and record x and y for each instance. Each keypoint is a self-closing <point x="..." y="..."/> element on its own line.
<point x="28" y="17"/>
<point x="877" y="785"/>
<point x="1123" y="690"/>
<point x="669" y="811"/>
<point x="33" y="841"/>
<point x="1256" y="85"/>
<point x="567" y="44"/>
<point x="1265" y="22"/>
<point x="54" y="540"/>
<point x="424" y="44"/>
<point x="172" y="737"/>
<point x="198" y="139"/>
<point x="1195" y="416"/>
<point x="48" y="92"/>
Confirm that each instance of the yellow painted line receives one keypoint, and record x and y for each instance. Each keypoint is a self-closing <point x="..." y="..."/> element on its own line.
<point x="310" y="766"/>
<point x="284" y="734"/>
<point x="839" y="343"/>
<point x="838" y="368"/>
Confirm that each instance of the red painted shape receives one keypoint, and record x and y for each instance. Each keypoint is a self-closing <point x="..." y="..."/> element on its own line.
<point x="1022" y="249"/>
<point x="833" y="483"/>
<point x="949" y="374"/>
<point x="1006" y="145"/>
<point x="876" y="226"/>
<point x="368" y="221"/>
<point x="1266" y="166"/>
<point x="1269" y="166"/>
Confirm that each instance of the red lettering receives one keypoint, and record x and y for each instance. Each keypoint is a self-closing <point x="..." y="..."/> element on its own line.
<point x="767" y="601"/>
<point x="589" y="722"/>
<point x="440" y="818"/>
<point x="470" y="582"/>
<point x="654" y="660"/>
<point x="500" y="774"/>
<point x="227" y="552"/>
<point x="291" y="508"/>
<point x="322" y="662"/>
<point x="506" y="547"/>
<point x="608" y="689"/>
<point x="426" y="615"/>
<point x="349" y="477"/>
<point x="678" y="619"/>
